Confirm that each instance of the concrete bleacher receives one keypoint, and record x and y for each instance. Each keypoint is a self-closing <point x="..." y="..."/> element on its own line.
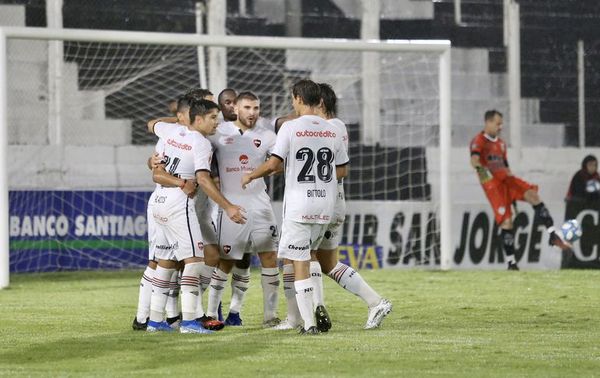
<point x="96" y="152"/>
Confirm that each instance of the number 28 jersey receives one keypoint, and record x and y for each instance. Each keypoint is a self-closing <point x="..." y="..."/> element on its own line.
<point x="311" y="148"/>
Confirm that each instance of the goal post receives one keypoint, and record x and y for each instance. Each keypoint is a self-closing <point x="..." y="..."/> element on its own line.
<point x="315" y="52"/>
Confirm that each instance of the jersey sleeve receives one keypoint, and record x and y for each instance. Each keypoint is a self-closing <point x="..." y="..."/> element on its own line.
<point x="163" y="128"/>
<point x="476" y="145"/>
<point x="202" y="155"/>
<point x="341" y="154"/>
<point x="271" y="137"/>
<point x="281" y="148"/>
<point x="160" y="146"/>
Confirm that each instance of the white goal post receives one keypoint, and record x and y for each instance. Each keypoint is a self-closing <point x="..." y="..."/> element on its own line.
<point x="440" y="47"/>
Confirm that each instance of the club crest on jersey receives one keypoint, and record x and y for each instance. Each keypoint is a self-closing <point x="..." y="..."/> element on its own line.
<point x="243" y="159"/>
<point x="257" y="142"/>
<point x="226" y="249"/>
<point x="200" y="245"/>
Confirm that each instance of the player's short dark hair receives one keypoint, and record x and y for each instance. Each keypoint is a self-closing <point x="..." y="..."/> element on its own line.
<point x="490" y="114"/>
<point x="223" y="92"/>
<point x="198" y="93"/>
<point x="329" y="99"/>
<point x="308" y="91"/>
<point x="201" y="107"/>
<point x="183" y="102"/>
<point x="247" y="95"/>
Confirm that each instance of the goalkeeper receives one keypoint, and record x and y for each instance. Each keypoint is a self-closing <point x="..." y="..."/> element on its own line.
<point x="502" y="188"/>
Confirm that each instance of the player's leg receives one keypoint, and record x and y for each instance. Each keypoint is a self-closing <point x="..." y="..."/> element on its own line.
<point x="269" y="279"/>
<point x="500" y="200"/>
<point x="529" y="193"/>
<point x="145" y="295"/>
<point x="173" y="313"/>
<point x="293" y="318"/>
<point x="217" y="287"/>
<point x="350" y="280"/>
<point x="160" y="290"/>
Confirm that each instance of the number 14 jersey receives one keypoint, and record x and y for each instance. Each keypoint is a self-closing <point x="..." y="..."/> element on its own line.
<point x="311" y="148"/>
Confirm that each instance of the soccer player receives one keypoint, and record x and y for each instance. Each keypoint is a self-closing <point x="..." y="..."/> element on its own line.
<point x="240" y="147"/>
<point x="188" y="155"/>
<point x="326" y="256"/>
<point x="313" y="155"/>
<point x="502" y="188"/>
<point x="211" y="252"/>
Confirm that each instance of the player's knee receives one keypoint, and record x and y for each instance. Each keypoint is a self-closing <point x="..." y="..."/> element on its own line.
<point x="268" y="259"/>
<point x="152" y="264"/>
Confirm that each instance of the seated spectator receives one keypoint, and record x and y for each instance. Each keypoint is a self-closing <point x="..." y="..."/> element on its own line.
<point x="585" y="184"/>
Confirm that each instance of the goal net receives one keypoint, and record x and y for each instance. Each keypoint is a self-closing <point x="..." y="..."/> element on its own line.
<point x="77" y="104"/>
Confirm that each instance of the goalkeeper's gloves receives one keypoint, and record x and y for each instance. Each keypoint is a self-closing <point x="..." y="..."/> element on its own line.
<point x="484" y="174"/>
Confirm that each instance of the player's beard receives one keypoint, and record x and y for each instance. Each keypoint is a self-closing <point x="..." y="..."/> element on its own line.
<point x="248" y="124"/>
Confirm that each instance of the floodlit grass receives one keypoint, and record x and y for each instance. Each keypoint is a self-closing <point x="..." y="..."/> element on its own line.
<point x="444" y="324"/>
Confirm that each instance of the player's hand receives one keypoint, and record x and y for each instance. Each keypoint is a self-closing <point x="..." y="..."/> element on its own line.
<point x="156" y="160"/>
<point x="189" y="188"/>
<point x="246" y="179"/>
<point x="236" y="214"/>
<point x="484" y="174"/>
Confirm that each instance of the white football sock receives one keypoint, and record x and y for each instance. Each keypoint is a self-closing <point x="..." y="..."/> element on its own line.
<point x="145" y="295"/>
<point x="350" y="280"/>
<point x="206" y="272"/>
<point x="269" y="280"/>
<point x="190" y="290"/>
<point x="215" y="292"/>
<point x="293" y="314"/>
<point x="240" y="281"/>
<point x="173" y="299"/>
<point x="304" y="297"/>
<point x="161" y="284"/>
<point x="317" y="278"/>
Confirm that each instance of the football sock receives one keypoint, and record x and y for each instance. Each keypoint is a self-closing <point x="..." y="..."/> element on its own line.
<point x="215" y="292"/>
<point x="304" y="297"/>
<point x="269" y="280"/>
<point x="543" y="215"/>
<point x="293" y="314"/>
<point x="508" y="243"/>
<point x="240" y="281"/>
<point x="145" y="295"/>
<point x="206" y="272"/>
<point x="190" y="290"/>
<point x="317" y="278"/>
<point x="350" y="280"/>
<point x="173" y="298"/>
<point x="160" y="290"/>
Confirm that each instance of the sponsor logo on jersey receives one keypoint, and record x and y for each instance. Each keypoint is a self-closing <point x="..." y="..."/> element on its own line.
<point x="228" y="140"/>
<point x="243" y="159"/>
<point x="226" y="249"/>
<point x="167" y="247"/>
<point x="257" y="142"/>
<point x="298" y="248"/>
<point x="200" y="245"/>
<point x="316" y="217"/>
<point x="181" y="146"/>
<point x="160" y="199"/>
<point x="315" y="134"/>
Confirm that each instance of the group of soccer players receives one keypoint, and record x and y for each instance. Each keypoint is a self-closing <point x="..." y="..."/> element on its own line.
<point x="194" y="247"/>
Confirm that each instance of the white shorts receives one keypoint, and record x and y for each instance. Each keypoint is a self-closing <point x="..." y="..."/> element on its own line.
<point x="204" y="210"/>
<point x="258" y="234"/>
<point x="333" y="234"/>
<point x="175" y="216"/>
<point x="298" y="239"/>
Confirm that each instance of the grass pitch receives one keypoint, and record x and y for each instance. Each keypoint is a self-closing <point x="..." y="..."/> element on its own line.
<point x="443" y="324"/>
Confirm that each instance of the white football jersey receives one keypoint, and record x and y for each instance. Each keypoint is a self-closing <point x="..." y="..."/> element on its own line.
<point x="312" y="149"/>
<point x="186" y="151"/>
<point x="240" y="153"/>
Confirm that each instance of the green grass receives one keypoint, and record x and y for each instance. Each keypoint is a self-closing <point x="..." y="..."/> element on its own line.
<point x="443" y="324"/>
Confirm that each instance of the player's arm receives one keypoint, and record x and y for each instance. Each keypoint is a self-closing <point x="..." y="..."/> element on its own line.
<point x="267" y="168"/>
<point x="164" y="178"/>
<point x="341" y="171"/>
<point x="207" y="184"/>
<point x="153" y="122"/>
<point x="484" y="174"/>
